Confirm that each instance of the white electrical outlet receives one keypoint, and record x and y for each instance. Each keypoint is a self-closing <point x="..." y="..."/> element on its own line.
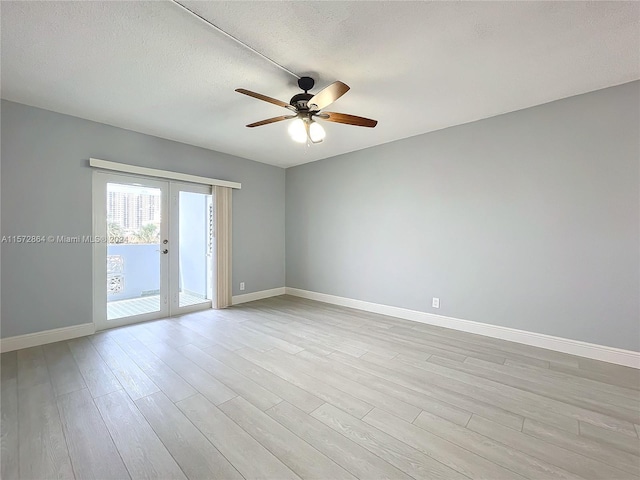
<point x="241" y="286"/>
<point x="435" y="303"/>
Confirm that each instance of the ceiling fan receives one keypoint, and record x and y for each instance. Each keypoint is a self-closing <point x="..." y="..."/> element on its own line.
<point x="306" y="107"/>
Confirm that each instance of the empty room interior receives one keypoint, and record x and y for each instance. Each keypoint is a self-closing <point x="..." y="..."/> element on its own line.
<point x="320" y="240"/>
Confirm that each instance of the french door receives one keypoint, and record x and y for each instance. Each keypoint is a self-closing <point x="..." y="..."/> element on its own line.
<point x="153" y="249"/>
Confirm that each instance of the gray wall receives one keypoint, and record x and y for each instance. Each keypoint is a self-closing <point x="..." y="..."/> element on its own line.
<point x="46" y="190"/>
<point x="528" y="220"/>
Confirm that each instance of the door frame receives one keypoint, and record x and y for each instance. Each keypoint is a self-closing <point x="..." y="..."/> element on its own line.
<point x="169" y="264"/>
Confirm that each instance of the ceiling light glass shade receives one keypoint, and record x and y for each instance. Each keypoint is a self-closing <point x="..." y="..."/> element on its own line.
<point x="316" y="132"/>
<point x="297" y="131"/>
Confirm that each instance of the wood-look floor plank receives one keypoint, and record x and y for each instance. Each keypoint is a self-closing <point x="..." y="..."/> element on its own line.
<point x="342" y="400"/>
<point x="227" y="332"/>
<point x="233" y="329"/>
<point x="143" y="335"/>
<point x="266" y="318"/>
<point x="172" y="384"/>
<point x="529" y="399"/>
<point x="398" y="453"/>
<point x="384" y="321"/>
<point x="271" y="340"/>
<point x="352" y="332"/>
<point x="63" y="370"/>
<point x="247" y="388"/>
<point x="9" y="441"/>
<point x="322" y="338"/>
<point x="332" y="313"/>
<point x="467" y="385"/>
<point x="384" y="342"/>
<point x="209" y="333"/>
<point x="32" y="367"/>
<point x="244" y="452"/>
<point x="297" y="305"/>
<point x="325" y="338"/>
<point x="268" y="329"/>
<point x="140" y="448"/>
<point x="510" y="399"/>
<point x="323" y="314"/>
<point x="598" y="376"/>
<point x="589" y="448"/>
<point x="290" y="449"/>
<point x="526" y="361"/>
<point x="118" y="335"/>
<point x="92" y="451"/>
<point x="347" y="453"/>
<point x="589" y="399"/>
<point x="214" y="390"/>
<point x="373" y="397"/>
<point x="197" y="457"/>
<point x="133" y="380"/>
<point x="447" y="453"/>
<point x="171" y="333"/>
<point x="286" y="390"/>
<point x="9" y="365"/>
<point x="422" y="402"/>
<point x="627" y="374"/>
<point x="478" y="348"/>
<point x="268" y="341"/>
<point x="440" y="392"/>
<point x="509" y="458"/>
<point x="43" y="449"/>
<point x="98" y="377"/>
<point x="614" y="395"/>
<point x="346" y="333"/>
<point x="444" y="346"/>
<point x="317" y="351"/>
<point x="425" y="354"/>
<point x="622" y="441"/>
<point x="566" y="459"/>
<point x="378" y="338"/>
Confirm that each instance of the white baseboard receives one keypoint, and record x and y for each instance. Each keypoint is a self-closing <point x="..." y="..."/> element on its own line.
<point x="48" y="336"/>
<point x="573" y="347"/>
<point x="250" y="297"/>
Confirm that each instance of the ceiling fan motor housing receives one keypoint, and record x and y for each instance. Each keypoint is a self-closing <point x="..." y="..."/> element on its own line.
<point x="301" y="100"/>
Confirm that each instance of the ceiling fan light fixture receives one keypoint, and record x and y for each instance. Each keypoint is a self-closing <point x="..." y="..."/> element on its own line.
<point x="297" y="131"/>
<point x="316" y="132"/>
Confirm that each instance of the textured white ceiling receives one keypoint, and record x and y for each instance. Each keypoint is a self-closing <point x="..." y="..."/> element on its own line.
<point x="414" y="66"/>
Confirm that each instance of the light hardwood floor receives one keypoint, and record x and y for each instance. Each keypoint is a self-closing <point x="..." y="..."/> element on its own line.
<point x="286" y="388"/>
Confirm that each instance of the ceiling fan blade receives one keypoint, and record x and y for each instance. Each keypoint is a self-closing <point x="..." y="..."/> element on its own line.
<point x="270" y="120"/>
<point x="264" y="98"/>
<point x="348" y="119"/>
<point x="327" y="95"/>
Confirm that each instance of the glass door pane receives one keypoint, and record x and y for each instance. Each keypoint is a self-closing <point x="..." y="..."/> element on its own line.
<point x="134" y="249"/>
<point x="195" y="215"/>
